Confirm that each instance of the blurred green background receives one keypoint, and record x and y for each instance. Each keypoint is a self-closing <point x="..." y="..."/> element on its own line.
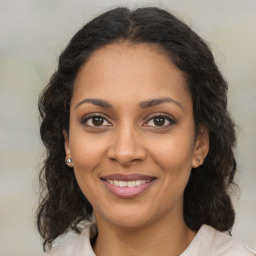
<point x="32" y="35"/>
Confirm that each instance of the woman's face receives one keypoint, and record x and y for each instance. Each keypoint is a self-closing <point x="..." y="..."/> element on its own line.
<point x="132" y="135"/>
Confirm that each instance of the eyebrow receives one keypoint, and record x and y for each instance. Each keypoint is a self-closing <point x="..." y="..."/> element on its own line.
<point x="154" y="102"/>
<point x="98" y="102"/>
<point x="143" y="104"/>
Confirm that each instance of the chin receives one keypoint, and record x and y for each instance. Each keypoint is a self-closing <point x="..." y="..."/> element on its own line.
<point x="127" y="218"/>
<point x="131" y="222"/>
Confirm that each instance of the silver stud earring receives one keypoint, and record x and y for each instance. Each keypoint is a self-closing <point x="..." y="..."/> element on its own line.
<point x="68" y="161"/>
<point x="198" y="161"/>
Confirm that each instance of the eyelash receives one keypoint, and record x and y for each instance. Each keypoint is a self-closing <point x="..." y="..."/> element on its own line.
<point x="91" y="116"/>
<point x="165" y="117"/>
<point x="95" y="115"/>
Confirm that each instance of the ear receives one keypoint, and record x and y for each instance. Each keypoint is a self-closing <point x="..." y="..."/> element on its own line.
<point x="201" y="146"/>
<point x="68" y="158"/>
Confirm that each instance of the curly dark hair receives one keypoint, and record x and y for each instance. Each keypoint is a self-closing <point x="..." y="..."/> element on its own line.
<point x="206" y="200"/>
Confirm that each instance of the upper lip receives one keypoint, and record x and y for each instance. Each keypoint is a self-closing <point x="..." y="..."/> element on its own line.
<point x="128" y="177"/>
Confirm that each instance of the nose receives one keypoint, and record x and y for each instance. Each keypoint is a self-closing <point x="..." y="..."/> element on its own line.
<point x="126" y="147"/>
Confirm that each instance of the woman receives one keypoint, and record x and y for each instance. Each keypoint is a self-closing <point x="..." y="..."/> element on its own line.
<point x="137" y="134"/>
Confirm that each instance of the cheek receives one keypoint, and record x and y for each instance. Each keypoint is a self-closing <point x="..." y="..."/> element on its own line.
<point x="174" y="157"/>
<point x="87" y="152"/>
<point x="174" y="152"/>
<point x="86" y="156"/>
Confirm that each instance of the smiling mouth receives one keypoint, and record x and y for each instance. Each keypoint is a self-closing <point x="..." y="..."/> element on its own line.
<point x="128" y="186"/>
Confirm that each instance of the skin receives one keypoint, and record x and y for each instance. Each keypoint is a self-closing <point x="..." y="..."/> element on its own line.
<point x="129" y="140"/>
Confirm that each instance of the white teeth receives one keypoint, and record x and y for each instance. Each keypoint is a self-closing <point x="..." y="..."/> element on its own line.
<point x="130" y="184"/>
<point x="122" y="184"/>
<point x="138" y="182"/>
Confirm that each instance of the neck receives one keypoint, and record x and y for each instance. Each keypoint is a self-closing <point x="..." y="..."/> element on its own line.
<point x="114" y="240"/>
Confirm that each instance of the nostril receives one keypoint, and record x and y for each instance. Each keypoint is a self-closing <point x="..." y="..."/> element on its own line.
<point x="126" y="147"/>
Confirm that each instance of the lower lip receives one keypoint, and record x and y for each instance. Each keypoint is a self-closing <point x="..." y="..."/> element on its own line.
<point x="126" y="192"/>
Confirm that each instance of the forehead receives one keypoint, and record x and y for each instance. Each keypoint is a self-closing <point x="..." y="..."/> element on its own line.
<point x="125" y="52"/>
<point x="125" y="68"/>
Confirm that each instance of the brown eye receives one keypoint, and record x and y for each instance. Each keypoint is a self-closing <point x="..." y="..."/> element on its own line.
<point x="97" y="121"/>
<point x="159" y="121"/>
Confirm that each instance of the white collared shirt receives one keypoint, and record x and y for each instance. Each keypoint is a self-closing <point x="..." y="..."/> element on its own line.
<point x="207" y="242"/>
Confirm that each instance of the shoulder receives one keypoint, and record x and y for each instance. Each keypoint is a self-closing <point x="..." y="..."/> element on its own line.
<point x="75" y="247"/>
<point x="212" y="242"/>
